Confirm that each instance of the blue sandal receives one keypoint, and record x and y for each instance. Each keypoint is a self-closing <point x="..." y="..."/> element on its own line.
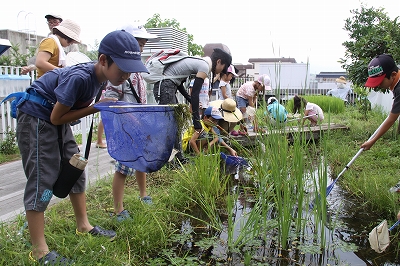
<point x="123" y="216"/>
<point x="147" y="200"/>
<point x="98" y="231"/>
<point x="51" y="258"/>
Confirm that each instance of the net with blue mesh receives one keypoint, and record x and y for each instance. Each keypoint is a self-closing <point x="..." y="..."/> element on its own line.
<point x="233" y="164"/>
<point x="234" y="160"/>
<point x="139" y="136"/>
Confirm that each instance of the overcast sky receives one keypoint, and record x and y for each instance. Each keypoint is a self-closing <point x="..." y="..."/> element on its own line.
<point x="305" y="30"/>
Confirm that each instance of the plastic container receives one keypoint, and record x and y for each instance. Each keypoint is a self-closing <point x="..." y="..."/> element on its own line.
<point x="13" y="83"/>
<point x="139" y="136"/>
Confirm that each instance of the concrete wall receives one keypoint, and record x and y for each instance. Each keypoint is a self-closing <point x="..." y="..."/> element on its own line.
<point x="26" y="40"/>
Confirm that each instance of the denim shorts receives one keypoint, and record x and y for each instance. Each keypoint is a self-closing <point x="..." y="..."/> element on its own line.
<point x="241" y="102"/>
<point x="125" y="170"/>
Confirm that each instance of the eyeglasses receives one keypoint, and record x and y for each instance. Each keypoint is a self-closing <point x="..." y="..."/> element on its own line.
<point x="53" y="21"/>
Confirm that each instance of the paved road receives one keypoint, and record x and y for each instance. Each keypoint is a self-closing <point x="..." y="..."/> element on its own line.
<point x="12" y="181"/>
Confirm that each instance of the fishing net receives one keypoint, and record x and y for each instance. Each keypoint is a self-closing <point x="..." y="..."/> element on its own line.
<point x="379" y="237"/>
<point x="233" y="160"/>
<point x="139" y="136"/>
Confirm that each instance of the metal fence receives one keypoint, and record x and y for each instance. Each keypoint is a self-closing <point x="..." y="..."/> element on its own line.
<point x="7" y="123"/>
<point x="13" y="70"/>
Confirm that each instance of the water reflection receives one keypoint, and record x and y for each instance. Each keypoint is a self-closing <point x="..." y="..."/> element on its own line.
<point x="349" y="225"/>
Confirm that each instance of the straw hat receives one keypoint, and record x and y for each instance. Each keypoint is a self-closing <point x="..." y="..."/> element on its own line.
<point x="228" y="109"/>
<point x="341" y="79"/>
<point x="70" y="29"/>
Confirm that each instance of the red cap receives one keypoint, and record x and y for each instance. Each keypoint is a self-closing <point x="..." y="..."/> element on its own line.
<point x="378" y="69"/>
<point x="374" y="82"/>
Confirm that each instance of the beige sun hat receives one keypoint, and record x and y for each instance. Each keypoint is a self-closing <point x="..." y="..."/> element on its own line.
<point x="70" y="29"/>
<point x="228" y="109"/>
<point x="341" y="79"/>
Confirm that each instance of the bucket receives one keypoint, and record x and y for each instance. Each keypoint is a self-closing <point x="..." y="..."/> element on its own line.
<point x="13" y="83"/>
<point x="139" y="136"/>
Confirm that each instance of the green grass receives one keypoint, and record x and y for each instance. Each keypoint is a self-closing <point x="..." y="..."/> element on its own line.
<point x="328" y="104"/>
<point x="5" y="158"/>
<point x="202" y="194"/>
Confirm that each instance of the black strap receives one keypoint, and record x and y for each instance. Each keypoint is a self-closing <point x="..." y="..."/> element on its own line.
<point x="89" y="139"/>
<point x="60" y="143"/>
<point x="133" y="91"/>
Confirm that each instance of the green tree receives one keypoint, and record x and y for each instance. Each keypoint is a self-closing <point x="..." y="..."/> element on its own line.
<point x="157" y="22"/>
<point x="371" y="32"/>
<point x="15" y="57"/>
<point x="94" y="51"/>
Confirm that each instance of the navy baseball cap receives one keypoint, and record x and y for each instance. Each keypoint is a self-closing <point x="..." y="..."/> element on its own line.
<point x="124" y="50"/>
<point x="379" y="67"/>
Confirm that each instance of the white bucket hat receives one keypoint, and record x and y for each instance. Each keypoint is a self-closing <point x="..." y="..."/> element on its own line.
<point x="70" y="29"/>
<point x="138" y="31"/>
<point x="270" y="100"/>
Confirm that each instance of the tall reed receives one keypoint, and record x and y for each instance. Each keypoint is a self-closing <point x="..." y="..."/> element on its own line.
<point x="205" y="185"/>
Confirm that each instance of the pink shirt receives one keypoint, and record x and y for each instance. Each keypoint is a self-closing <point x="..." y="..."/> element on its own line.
<point x="246" y="91"/>
<point x="314" y="109"/>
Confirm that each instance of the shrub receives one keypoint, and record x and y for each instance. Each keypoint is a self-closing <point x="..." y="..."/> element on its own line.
<point x="8" y="145"/>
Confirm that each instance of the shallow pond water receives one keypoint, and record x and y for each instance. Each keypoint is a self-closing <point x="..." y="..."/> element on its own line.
<point x="356" y="223"/>
<point x="352" y="224"/>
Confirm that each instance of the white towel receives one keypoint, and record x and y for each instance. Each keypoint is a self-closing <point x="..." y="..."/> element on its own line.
<point x="61" y="57"/>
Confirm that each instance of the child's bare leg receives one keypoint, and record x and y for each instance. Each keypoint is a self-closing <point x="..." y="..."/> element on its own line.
<point x="36" y="231"/>
<point x="141" y="180"/>
<point x="78" y="201"/>
<point x="312" y="120"/>
<point x="100" y="131"/>
<point x="118" y="187"/>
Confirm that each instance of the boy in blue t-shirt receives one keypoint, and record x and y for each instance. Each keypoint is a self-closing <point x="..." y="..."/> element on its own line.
<point x="66" y="95"/>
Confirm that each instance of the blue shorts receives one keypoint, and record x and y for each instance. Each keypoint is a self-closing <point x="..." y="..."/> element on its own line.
<point x="40" y="154"/>
<point x="241" y="102"/>
<point x="125" y="170"/>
